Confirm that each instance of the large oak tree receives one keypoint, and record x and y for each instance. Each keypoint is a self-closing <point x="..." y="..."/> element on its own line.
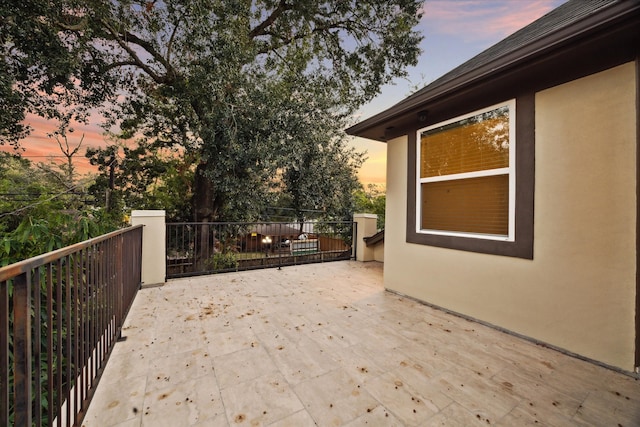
<point x="241" y="88"/>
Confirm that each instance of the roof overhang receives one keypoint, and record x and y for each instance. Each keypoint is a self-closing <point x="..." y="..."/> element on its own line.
<point x="610" y="36"/>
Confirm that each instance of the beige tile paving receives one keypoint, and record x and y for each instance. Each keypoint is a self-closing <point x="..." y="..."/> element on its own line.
<point x="325" y="345"/>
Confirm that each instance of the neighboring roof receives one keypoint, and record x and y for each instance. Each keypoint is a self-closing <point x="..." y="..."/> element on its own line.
<point x="376" y="238"/>
<point x="558" y="27"/>
<point x="275" y="230"/>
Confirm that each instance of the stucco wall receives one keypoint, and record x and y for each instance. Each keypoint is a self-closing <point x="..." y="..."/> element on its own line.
<point x="378" y="252"/>
<point x="578" y="293"/>
<point x="153" y="245"/>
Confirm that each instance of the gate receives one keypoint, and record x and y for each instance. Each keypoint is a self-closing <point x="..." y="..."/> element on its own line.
<point x="216" y="247"/>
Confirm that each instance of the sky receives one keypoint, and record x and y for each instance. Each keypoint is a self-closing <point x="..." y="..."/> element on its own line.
<point x="454" y="31"/>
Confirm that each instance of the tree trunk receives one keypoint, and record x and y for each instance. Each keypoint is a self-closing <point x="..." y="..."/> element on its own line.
<point x="204" y="211"/>
<point x="203" y="196"/>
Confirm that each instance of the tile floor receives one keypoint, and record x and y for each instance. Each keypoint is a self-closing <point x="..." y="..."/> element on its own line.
<point x="325" y="345"/>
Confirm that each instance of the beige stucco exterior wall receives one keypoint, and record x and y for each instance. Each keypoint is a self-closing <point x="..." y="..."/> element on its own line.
<point x="578" y="293"/>
<point x="153" y="245"/>
<point x="378" y="252"/>
<point x="365" y="227"/>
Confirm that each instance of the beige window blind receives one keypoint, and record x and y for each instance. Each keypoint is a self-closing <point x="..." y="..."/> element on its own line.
<point x="478" y="201"/>
<point x="474" y="205"/>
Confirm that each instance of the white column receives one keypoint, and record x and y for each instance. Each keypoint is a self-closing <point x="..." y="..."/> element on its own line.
<point x="154" y="267"/>
<point x="366" y="226"/>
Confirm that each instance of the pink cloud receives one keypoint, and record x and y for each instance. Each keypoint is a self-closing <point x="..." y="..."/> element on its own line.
<point x="482" y="19"/>
<point x="38" y="147"/>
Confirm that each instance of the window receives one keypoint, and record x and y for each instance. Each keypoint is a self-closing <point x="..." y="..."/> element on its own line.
<point x="470" y="195"/>
<point x="466" y="175"/>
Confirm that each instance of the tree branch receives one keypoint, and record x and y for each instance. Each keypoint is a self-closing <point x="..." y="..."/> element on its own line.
<point x="170" y="44"/>
<point x="117" y="64"/>
<point x="288" y="40"/>
<point x="260" y="29"/>
<point x="123" y="38"/>
<point x="82" y="25"/>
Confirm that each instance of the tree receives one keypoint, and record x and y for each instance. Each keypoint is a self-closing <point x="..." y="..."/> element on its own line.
<point x="141" y="177"/>
<point x="68" y="151"/>
<point x="49" y="68"/>
<point x="371" y="200"/>
<point x="322" y="177"/>
<point x="225" y="80"/>
<point x="40" y="213"/>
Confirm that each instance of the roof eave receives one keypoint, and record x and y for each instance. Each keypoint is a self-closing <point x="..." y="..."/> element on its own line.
<point x="537" y="48"/>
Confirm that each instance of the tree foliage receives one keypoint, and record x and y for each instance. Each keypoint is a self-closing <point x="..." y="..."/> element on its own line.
<point x="322" y="177"/>
<point x="239" y="88"/>
<point x="40" y="213"/>
<point x="141" y="177"/>
<point x="49" y="68"/>
<point x="371" y="200"/>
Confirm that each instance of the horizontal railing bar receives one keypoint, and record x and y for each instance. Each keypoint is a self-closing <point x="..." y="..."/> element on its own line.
<point x="259" y="223"/>
<point x="13" y="270"/>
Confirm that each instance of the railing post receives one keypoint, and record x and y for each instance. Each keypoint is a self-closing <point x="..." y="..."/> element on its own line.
<point x="365" y="227"/>
<point x="280" y="246"/>
<point x="120" y="292"/>
<point x="154" y="254"/>
<point x="22" y="348"/>
<point x="4" y="353"/>
<point x="354" y="237"/>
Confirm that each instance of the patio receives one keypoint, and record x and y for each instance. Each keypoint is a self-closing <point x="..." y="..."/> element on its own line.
<point x="325" y="345"/>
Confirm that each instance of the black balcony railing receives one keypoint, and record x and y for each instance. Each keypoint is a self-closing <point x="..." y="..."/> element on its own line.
<point x="60" y="315"/>
<point x="214" y="247"/>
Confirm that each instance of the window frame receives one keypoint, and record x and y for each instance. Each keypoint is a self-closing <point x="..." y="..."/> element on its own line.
<point x="510" y="170"/>
<point x="522" y="246"/>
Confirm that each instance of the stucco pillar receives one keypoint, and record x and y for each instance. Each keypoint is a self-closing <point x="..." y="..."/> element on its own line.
<point x="366" y="226"/>
<point x="154" y="267"/>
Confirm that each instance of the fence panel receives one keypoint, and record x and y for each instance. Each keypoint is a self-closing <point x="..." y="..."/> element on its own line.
<point x="60" y="316"/>
<point x="215" y="247"/>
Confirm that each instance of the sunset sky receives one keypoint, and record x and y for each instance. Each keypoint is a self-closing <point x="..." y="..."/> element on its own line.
<point x="454" y="30"/>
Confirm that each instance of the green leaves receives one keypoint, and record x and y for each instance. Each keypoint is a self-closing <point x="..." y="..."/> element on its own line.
<point x="238" y="89"/>
<point x="50" y="65"/>
<point x="141" y="177"/>
<point x="371" y="200"/>
<point x="38" y="214"/>
<point x="242" y="87"/>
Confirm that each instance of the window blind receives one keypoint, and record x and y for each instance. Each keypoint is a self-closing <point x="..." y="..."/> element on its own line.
<point x="473" y="205"/>
<point x="465" y="146"/>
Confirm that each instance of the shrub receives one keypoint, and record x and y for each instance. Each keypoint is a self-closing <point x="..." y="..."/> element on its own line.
<point x="222" y="261"/>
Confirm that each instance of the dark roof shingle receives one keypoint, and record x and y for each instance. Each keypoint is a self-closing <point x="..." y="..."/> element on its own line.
<point x="559" y="18"/>
<point x="559" y="29"/>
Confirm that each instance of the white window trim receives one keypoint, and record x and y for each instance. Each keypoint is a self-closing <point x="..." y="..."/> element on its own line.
<point x="511" y="171"/>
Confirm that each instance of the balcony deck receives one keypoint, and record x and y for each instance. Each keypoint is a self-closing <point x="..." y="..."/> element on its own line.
<point x="325" y="345"/>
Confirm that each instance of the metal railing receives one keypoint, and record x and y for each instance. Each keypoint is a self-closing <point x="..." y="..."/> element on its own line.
<point x="60" y="316"/>
<point x="214" y="247"/>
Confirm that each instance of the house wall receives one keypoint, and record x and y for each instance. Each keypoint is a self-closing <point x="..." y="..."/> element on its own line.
<point x="378" y="252"/>
<point x="578" y="292"/>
